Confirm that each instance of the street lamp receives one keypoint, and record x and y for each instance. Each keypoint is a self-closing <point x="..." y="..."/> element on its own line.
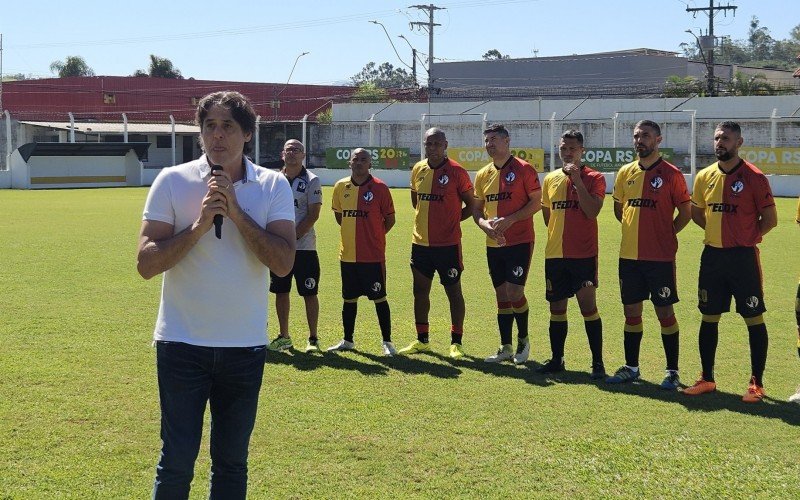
<point x="276" y="103"/>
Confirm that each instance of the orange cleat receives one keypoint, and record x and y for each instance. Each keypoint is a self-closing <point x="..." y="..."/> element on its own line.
<point x="700" y="387"/>
<point x="755" y="392"/>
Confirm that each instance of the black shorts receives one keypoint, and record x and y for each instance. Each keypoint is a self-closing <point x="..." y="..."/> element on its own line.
<point x="509" y="264"/>
<point x="305" y="272"/>
<point x="363" y="278"/>
<point x="443" y="260"/>
<point x="640" y="280"/>
<point x="564" y="277"/>
<point x="730" y="272"/>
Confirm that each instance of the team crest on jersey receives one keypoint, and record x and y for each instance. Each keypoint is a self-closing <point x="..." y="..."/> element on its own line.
<point x="518" y="271"/>
<point x="664" y="292"/>
<point x="368" y="196"/>
<point x="376" y="287"/>
<point x="737" y="187"/>
<point x="444" y="179"/>
<point x="301" y="186"/>
<point x="752" y="302"/>
<point x="311" y="283"/>
<point x="657" y="182"/>
<point x="510" y="177"/>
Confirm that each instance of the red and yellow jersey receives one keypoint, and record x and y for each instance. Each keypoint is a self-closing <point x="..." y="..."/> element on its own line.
<point x="437" y="217"/>
<point x="570" y="233"/>
<point x="649" y="198"/>
<point x="797" y="218"/>
<point x="504" y="191"/>
<point x="363" y="209"/>
<point x="732" y="203"/>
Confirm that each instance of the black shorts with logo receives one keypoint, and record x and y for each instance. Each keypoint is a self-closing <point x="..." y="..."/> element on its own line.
<point x="730" y="272"/>
<point x="509" y="264"/>
<point x="363" y="278"/>
<point x="305" y="272"/>
<point x="443" y="260"/>
<point x="641" y="280"/>
<point x="564" y="277"/>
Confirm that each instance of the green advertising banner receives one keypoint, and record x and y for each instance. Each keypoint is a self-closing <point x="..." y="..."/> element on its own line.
<point x="781" y="161"/>
<point x="477" y="158"/>
<point x="611" y="159"/>
<point x="382" y="158"/>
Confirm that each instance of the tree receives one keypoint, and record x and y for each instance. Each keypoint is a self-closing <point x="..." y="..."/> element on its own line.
<point x="494" y="55"/>
<point x="160" y="67"/>
<point x="757" y="84"/>
<point x="370" y="92"/>
<point x="71" y="66"/>
<point x="677" y="86"/>
<point x="384" y="76"/>
<point x="761" y="42"/>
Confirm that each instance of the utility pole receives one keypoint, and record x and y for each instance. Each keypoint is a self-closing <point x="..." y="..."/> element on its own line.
<point x="710" y="11"/>
<point x="429" y="28"/>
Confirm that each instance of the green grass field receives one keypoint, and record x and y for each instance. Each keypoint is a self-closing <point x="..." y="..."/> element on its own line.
<point x="79" y="408"/>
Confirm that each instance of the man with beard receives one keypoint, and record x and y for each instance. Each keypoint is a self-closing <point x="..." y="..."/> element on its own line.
<point x="646" y="194"/>
<point x="732" y="201"/>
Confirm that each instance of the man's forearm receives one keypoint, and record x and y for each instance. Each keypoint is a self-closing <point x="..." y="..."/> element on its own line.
<point x="157" y="256"/>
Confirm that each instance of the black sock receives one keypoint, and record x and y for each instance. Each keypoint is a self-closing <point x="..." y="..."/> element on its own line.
<point x="384" y="320"/>
<point x="312" y="340"/>
<point x="758" y="350"/>
<point x="632" y="342"/>
<point x="522" y="323"/>
<point x="558" y="337"/>
<point x="505" y="323"/>
<point x="709" y="337"/>
<point x="349" y="311"/>
<point x="671" y="350"/>
<point x="594" y="332"/>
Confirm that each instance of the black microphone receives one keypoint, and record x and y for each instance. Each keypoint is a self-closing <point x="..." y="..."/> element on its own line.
<point x="218" y="217"/>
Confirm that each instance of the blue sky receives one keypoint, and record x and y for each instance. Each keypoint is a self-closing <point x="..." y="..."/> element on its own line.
<point x="259" y="41"/>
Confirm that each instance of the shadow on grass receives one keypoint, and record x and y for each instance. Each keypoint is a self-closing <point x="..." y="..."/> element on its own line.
<point x="715" y="401"/>
<point x="416" y="364"/>
<point x="305" y="362"/>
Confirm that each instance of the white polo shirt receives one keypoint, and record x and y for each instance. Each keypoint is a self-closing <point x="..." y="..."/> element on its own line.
<point x="216" y="295"/>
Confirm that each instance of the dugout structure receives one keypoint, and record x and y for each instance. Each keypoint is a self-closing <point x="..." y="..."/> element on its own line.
<point x="43" y="165"/>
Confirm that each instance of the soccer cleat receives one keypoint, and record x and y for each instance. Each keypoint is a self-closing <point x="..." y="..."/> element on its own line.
<point x="700" y="387"/>
<point x="344" y="345"/>
<point x="755" y="392"/>
<point x="312" y="347"/>
<point x="456" y="351"/>
<point x="598" y="371"/>
<point x="280" y="344"/>
<point x="388" y="348"/>
<point x="415" y="347"/>
<point x="523" y="351"/>
<point x="795" y="398"/>
<point x="505" y="352"/>
<point x="624" y="374"/>
<point x="552" y="366"/>
<point x="671" y="381"/>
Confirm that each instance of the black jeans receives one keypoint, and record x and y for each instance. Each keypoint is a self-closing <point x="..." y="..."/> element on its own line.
<point x="229" y="379"/>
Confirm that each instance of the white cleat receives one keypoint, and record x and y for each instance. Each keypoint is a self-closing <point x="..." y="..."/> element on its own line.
<point x="344" y="345"/>
<point x="523" y="351"/>
<point x="504" y="353"/>
<point x="388" y="349"/>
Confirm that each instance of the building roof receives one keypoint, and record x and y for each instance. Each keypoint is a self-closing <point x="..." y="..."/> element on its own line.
<point x="119" y="128"/>
<point x="83" y="149"/>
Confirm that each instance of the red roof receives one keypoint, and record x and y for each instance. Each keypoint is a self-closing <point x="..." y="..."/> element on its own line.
<point x="144" y="99"/>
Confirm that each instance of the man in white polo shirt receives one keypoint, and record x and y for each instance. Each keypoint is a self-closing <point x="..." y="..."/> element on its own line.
<point x="210" y="333"/>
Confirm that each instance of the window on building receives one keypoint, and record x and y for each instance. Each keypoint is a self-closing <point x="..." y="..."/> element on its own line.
<point x="164" y="141"/>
